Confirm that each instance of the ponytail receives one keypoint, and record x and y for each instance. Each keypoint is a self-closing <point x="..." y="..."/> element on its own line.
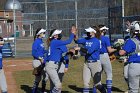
<point x="50" y="38"/>
<point x="98" y="32"/>
<point x="36" y="36"/>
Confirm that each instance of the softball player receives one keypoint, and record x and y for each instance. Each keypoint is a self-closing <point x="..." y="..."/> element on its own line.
<point x="92" y="65"/>
<point x="38" y="52"/>
<point x="132" y="49"/>
<point x="63" y="65"/>
<point x="55" y="55"/>
<point x="104" y="57"/>
<point x="3" y="84"/>
<point x="126" y="65"/>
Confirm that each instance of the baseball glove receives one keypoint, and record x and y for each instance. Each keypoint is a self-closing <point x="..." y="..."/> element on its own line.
<point x="38" y="70"/>
<point x="112" y="57"/>
<point x="73" y="53"/>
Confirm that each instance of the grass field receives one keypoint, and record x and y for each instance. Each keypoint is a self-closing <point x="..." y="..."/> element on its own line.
<point x="73" y="79"/>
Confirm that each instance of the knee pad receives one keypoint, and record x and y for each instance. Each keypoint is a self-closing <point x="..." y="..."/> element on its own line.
<point x="97" y="78"/>
<point x="61" y="76"/>
<point x="109" y="83"/>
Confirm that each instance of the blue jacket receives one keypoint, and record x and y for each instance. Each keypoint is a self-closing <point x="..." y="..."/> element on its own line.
<point x="130" y="47"/>
<point x="91" y="44"/>
<point x="55" y="53"/>
<point x="105" y="42"/>
<point x="38" y="48"/>
<point x="1" y="65"/>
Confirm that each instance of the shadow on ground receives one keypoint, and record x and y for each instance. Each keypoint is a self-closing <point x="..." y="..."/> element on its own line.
<point x="78" y="89"/>
<point x="75" y="88"/>
<point x="28" y="89"/>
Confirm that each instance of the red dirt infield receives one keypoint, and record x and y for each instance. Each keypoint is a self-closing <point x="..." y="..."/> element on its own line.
<point x="15" y="64"/>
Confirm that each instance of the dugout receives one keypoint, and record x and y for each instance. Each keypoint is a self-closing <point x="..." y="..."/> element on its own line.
<point x="7" y="50"/>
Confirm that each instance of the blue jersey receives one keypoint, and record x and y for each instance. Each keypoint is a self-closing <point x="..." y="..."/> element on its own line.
<point x="46" y="56"/>
<point x="130" y="47"/>
<point x="92" y="45"/>
<point x="55" y="53"/>
<point x="105" y="42"/>
<point x="1" y="65"/>
<point x="64" y="57"/>
<point x="38" y="48"/>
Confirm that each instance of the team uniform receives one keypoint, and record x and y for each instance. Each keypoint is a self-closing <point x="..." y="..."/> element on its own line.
<point x="105" y="61"/>
<point x="55" y="55"/>
<point x="126" y="64"/>
<point x="132" y="48"/>
<point x="38" y="50"/>
<point x="64" y="63"/>
<point x="92" y="65"/>
<point x="3" y="84"/>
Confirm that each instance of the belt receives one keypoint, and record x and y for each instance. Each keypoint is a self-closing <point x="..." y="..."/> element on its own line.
<point x="103" y="53"/>
<point x="55" y="62"/>
<point x="134" y="62"/>
<point x="91" y="61"/>
<point x="36" y="59"/>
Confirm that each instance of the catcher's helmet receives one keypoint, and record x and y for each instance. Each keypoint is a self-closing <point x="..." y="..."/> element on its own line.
<point x="135" y="26"/>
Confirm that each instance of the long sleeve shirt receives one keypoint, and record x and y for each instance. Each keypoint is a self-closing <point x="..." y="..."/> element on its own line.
<point x="93" y="47"/>
<point x="130" y="47"/>
<point x="38" y="48"/>
<point x="105" y="42"/>
<point x="54" y="51"/>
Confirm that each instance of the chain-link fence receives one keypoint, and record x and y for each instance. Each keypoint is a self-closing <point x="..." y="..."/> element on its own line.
<point x="61" y="14"/>
<point x="83" y="13"/>
<point x="34" y="16"/>
<point x="119" y="12"/>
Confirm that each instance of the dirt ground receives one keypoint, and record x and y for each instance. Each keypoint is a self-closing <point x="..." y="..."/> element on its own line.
<point x="15" y="64"/>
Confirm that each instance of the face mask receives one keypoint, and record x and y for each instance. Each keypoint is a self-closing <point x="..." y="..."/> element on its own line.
<point x="59" y="36"/>
<point x="73" y="55"/>
<point x="104" y="32"/>
<point x="43" y="36"/>
<point x="1" y="41"/>
<point x="88" y="34"/>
